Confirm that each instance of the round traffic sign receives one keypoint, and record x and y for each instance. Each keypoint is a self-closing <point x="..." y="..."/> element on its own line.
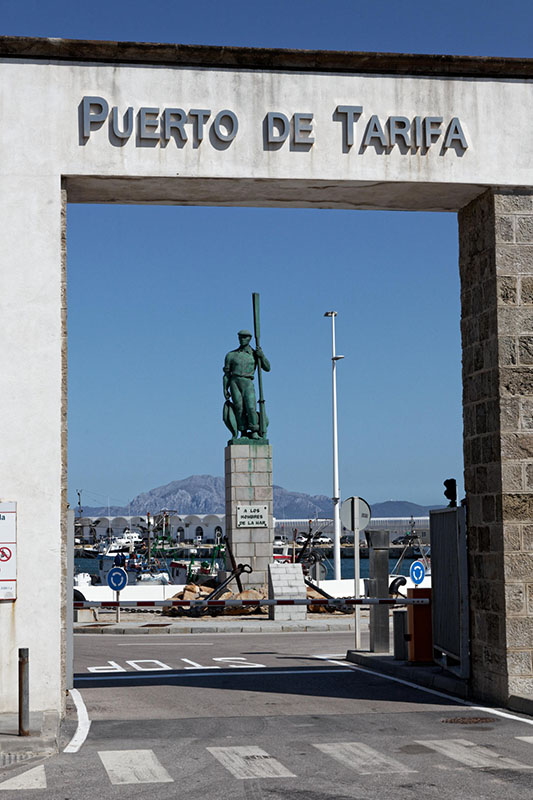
<point x="355" y="514"/>
<point x="5" y="553"/>
<point x="117" y="579"/>
<point x="417" y="571"/>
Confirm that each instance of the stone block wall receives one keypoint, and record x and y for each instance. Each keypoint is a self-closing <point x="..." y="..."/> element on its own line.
<point x="286" y="582"/>
<point x="248" y="471"/>
<point x="496" y="266"/>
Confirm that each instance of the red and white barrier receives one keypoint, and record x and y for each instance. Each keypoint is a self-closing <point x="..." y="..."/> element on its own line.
<point x="235" y="603"/>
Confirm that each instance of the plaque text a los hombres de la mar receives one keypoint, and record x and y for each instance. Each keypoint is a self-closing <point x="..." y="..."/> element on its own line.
<point x="252" y="516"/>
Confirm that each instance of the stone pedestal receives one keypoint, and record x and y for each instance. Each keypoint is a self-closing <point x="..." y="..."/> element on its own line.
<point x="248" y="471"/>
<point x="286" y="582"/>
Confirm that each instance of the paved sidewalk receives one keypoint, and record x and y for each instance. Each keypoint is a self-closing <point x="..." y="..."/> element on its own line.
<point x="326" y="622"/>
<point x="431" y="676"/>
<point x="42" y="741"/>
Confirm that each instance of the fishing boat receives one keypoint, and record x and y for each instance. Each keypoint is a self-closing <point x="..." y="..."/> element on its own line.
<point x="201" y="565"/>
<point x="126" y="543"/>
<point x="399" y="583"/>
<point x="152" y="577"/>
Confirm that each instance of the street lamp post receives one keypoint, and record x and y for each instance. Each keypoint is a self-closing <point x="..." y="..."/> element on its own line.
<point x="336" y="490"/>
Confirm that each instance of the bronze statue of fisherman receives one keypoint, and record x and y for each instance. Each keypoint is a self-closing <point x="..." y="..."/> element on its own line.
<point x="241" y="414"/>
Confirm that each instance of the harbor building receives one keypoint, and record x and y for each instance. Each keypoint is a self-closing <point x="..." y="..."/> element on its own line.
<point x="206" y="528"/>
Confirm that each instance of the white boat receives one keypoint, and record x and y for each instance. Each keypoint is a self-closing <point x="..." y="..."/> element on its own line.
<point x="120" y="544"/>
<point x="145" y="592"/>
<point x="281" y="552"/>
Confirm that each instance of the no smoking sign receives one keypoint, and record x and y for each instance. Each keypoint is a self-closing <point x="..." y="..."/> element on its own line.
<point x="8" y="561"/>
<point x="8" y="551"/>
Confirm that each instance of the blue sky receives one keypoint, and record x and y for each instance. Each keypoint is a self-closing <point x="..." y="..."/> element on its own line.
<point x="146" y="346"/>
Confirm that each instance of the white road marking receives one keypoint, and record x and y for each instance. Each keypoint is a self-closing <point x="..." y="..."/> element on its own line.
<point x="472" y="755"/>
<point x="32" y="779"/>
<point x="84" y="723"/>
<point x="167" y="644"/>
<point x="328" y="655"/>
<point x="525" y="739"/>
<point x="453" y="698"/>
<point x="250" y="762"/>
<point x="196" y="672"/>
<point x="229" y="662"/>
<point x="135" y="664"/>
<point x="105" y="668"/>
<point x="133" y="766"/>
<point x="195" y="664"/>
<point x="362" y="758"/>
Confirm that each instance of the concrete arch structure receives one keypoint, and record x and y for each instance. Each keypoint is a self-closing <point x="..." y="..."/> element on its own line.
<point x="372" y="131"/>
<point x="103" y="527"/>
<point x="119" y="525"/>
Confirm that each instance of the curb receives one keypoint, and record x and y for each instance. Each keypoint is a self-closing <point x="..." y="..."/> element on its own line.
<point x="430" y="676"/>
<point x="242" y="626"/>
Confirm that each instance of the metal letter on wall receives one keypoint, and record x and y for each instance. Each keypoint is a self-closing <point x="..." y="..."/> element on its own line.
<point x="8" y="551"/>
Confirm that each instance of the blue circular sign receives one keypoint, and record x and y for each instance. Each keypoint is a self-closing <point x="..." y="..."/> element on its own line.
<point x="117" y="579"/>
<point x="417" y="572"/>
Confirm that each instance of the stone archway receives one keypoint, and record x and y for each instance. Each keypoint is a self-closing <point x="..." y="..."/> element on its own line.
<point x="332" y="101"/>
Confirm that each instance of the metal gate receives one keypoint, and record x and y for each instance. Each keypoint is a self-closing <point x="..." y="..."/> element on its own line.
<point x="449" y="580"/>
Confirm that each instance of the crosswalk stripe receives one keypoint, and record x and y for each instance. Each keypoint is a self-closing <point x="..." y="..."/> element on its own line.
<point x="362" y="758"/>
<point x="133" y="766"/>
<point x="31" y="779"/>
<point x="250" y="762"/>
<point x="472" y="755"/>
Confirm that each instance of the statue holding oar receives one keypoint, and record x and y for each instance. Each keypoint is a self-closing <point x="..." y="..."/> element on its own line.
<point x="240" y="409"/>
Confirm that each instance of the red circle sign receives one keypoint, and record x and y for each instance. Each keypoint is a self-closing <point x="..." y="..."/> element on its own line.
<point x="5" y="553"/>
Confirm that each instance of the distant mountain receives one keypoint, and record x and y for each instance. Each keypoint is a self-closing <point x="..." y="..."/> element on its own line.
<point x="401" y="508"/>
<point x="205" y="494"/>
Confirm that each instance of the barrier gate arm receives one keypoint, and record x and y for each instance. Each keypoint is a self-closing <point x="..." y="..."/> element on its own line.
<point x="335" y="601"/>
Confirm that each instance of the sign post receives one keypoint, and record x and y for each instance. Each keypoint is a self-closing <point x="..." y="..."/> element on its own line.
<point x="117" y="579"/>
<point x="355" y="516"/>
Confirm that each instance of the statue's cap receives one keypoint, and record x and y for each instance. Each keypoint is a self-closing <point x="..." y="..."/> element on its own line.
<point x="244" y="333"/>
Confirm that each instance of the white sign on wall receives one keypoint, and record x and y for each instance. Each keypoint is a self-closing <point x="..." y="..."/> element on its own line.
<point x="8" y="551"/>
<point x="255" y="516"/>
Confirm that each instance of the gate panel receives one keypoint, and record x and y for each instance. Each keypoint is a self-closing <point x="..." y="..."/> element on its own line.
<point x="449" y="580"/>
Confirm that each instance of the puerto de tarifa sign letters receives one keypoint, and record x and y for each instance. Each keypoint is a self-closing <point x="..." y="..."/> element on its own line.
<point x="152" y="125"/>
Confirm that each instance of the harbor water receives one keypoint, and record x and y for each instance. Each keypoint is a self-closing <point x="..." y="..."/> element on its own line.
<point x="90" y="565"/>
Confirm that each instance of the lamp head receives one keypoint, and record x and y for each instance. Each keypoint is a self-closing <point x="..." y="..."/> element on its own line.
<point x="330" y="314"/>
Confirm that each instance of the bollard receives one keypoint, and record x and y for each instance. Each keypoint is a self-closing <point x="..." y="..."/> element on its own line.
<point x="24" y="698"/>
<point x="419" y="624"/>
<point x="379" y="575"/>
<point x="399" y="627"/>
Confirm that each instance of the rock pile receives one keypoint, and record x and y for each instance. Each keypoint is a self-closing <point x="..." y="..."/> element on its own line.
<point x="194" y="592"/>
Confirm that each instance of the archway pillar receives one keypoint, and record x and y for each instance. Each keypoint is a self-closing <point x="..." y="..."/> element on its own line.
<point x="496" y="266"/>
